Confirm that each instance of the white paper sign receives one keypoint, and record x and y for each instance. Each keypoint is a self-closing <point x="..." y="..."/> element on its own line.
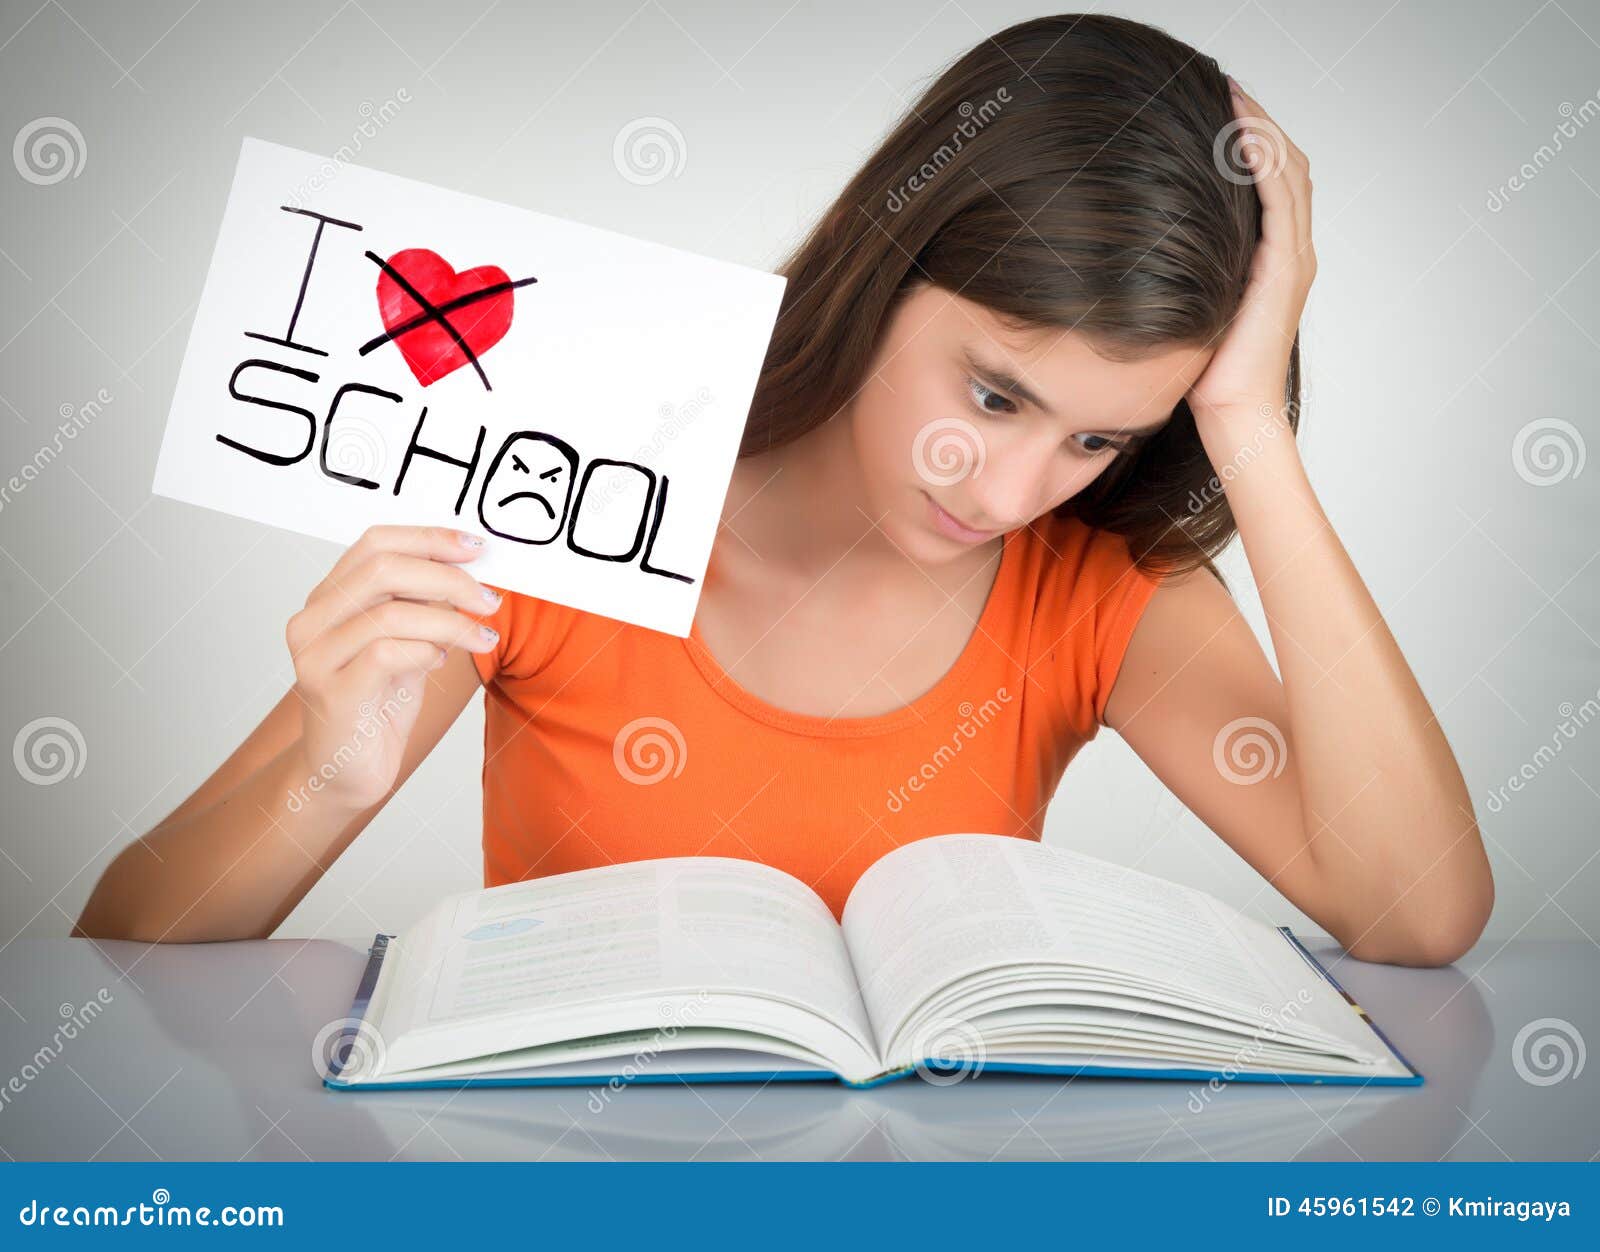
<point x="370" y="349"/>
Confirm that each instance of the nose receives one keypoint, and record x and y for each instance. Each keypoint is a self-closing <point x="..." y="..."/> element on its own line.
<point x="1011" y="487"/>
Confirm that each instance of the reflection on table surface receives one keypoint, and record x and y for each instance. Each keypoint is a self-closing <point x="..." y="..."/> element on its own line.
<point x="204" y="1051"/>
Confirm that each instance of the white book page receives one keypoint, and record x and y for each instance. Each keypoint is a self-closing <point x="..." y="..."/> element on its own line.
<point x="639" y="1053"/>
<point x="940" y="909"/>
<point x="679" y="933"/>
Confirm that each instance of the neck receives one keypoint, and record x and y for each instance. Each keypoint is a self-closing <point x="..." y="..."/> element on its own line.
<point x="805" y="506"/>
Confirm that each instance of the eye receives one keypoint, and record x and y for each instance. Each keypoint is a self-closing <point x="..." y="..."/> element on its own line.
<point x="1093" y="445"/>
<point x="982" y="396"/>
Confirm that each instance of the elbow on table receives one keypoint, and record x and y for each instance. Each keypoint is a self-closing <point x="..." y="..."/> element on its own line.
<point x="1441" y="939"/>
<point x="102" y="923"/>
<point x="1422" y="951"/>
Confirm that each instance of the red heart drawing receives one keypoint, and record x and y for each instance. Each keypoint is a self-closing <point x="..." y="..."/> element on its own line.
<point x="427" y="344"/>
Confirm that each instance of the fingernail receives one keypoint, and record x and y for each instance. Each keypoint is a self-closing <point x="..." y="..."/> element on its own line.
<point x="469" y="541"/>
<point x="491" y="597"/>
<point x="489" y="633"/>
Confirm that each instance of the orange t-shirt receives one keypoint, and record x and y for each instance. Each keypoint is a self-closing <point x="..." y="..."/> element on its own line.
<point x="607" y="742"/>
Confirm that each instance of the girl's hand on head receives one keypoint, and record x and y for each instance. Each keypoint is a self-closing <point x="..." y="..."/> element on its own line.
<point x="389" y="610"/>
<point x="1247" y="376"/>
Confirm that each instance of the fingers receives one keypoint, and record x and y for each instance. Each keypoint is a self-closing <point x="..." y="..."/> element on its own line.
<point x="438" y="543"/>
<point x="437" y="625"/>
<point x="1282" y="175"/>
<point x="387" y="574"/>
<point x="403" y="584"/>
<point x="1265" y="149"/>
<point x="385" y="660"/>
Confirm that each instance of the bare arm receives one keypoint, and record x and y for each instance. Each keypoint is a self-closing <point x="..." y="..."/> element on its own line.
<point x="1361" y="815"/>
<point x="380" y="678"/>
<point x="1340" y="791"/>
<point x="235" y="858"/>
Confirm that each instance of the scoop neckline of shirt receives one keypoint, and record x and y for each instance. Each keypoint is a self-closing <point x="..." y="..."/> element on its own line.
<point x="916" y="712"/>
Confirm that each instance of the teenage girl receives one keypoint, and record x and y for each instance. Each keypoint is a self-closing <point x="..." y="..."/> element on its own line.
<point x="1033" y="370"/>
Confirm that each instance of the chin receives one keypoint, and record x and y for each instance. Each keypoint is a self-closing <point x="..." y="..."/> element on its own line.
<point x="902" y="524"/>
<point x="933" y="549"/>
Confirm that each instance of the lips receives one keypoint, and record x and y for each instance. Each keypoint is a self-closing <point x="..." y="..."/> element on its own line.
<point x="950" y="523"/>
<point x="977" y="530"/>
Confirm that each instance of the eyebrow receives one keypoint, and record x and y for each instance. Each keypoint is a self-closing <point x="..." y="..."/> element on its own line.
<point x="1005" y="380"/>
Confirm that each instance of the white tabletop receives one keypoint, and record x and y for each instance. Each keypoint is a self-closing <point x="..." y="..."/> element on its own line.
<point x="204" y="1052"/>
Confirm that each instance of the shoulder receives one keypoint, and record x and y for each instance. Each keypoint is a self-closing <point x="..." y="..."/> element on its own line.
<point x="1081" y="570"/>
<point x="531" y="631"/>
<point x="1190" y="636"/>
<point x="1089" y="598"/>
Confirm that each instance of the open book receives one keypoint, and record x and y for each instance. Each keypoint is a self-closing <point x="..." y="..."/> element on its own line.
<point x="957" y="954"/>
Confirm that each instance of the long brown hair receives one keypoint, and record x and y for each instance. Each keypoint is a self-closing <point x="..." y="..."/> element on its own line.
<point x="1068" y="172"/>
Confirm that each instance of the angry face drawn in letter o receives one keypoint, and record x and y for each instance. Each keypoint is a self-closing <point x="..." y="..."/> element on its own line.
<point x="528" y="488"/>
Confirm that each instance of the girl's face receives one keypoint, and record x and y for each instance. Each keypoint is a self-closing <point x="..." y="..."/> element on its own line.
<point x="965" y="429"/>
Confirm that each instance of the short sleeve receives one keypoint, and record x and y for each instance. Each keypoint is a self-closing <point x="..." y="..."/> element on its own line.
<point x="1090" y="597"/>
<point x="1116" y="617"/>
<point x="527" y="627"/>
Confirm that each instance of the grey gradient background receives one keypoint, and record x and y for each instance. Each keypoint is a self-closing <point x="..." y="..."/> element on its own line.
<point x="1439" y="328"/>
